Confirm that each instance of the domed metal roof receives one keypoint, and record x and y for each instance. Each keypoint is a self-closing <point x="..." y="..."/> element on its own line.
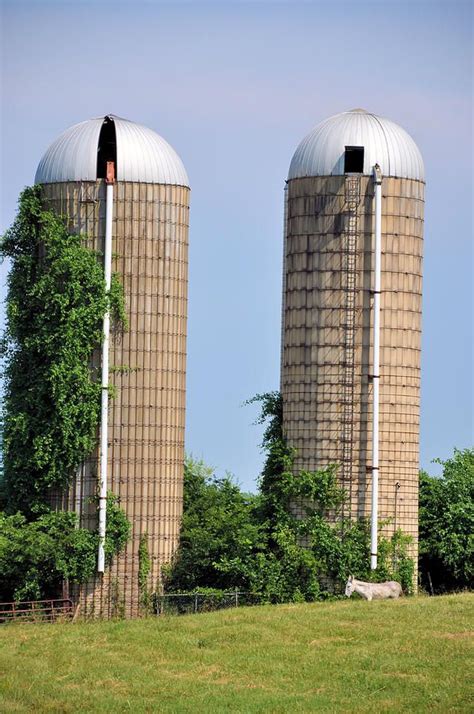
<point x="141" y="155"/>
<point x="385" y="143"/>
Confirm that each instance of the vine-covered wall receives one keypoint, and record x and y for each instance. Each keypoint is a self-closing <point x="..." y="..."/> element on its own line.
<point x="55" y="306"/>
<point x="147" y="372"/>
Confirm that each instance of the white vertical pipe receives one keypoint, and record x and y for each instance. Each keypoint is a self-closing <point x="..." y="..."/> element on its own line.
<point x="283" y="300"/>
<point x="376" y="366"/>
<point x="104" y="415"/>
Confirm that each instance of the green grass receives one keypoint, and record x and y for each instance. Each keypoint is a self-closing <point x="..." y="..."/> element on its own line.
<point x="410" y="655"/>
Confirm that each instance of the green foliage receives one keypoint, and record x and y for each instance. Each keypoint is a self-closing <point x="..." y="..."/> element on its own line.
<point x="217" y="520"/>
<point x="2" y="475"/>
<point x="117" y="304"/>
<point x="393" y="562"/>
<point x="55" y="305"/>
<point x="258" y="543"/>
<point x="36" y="556"/>
<point x="118" y="528"/>
<point x="322" y="551"/>
<point x="144" y="567"/>
<point x="271" y="415"/>
<point x="447" y="523"/>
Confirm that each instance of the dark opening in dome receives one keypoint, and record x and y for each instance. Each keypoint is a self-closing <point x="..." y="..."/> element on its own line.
<point x="354" y="160"/>
<point x="107" y="148"/>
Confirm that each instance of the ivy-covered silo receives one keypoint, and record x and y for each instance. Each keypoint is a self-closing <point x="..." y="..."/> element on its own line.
<point x="113" y="177"/>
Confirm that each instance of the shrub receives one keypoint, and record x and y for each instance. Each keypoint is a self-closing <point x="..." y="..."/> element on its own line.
<point x="447" y="524"/>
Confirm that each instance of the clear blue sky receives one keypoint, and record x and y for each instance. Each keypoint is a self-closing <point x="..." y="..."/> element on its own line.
<point x="234" y="87"/>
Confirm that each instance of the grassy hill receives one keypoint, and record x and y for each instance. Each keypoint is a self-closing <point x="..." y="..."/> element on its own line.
<point x="411" y="655"/>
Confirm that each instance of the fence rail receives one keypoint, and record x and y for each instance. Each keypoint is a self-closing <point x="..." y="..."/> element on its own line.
<point x="36" y="610"/>
<point x="168" y="604"/>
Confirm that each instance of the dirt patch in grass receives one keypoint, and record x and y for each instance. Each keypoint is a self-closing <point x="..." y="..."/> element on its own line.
<point x="456" y="635"/>
<point x="415" y="676"/>
<point x="326" y="640"/>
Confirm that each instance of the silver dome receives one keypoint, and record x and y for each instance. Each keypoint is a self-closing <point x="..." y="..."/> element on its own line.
<point x="385" y="143"/>
<point x="142" y="155"/>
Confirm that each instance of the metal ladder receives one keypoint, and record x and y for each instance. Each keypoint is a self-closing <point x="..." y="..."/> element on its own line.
<point x="348" y="324"/>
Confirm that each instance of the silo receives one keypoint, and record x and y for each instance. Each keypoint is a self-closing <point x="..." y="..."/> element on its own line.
<point x="113" y="177"/>
<point x="350" y="371"/>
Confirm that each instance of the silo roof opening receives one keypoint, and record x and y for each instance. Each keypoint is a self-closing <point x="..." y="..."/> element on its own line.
<point x="107" y="148"/>
<point x="338" y="144"/>
<point x="354" y="160"/>
<point x="81" y="152"/>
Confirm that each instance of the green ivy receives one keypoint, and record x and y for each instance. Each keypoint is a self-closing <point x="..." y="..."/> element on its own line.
<point x="393" y="561"/>
<point x="338" y="549"/>
<point x="117" y="306"/>
<point x="144" y="567"/>
<point x="118" y="528"/>
<point x="55" y="307"/>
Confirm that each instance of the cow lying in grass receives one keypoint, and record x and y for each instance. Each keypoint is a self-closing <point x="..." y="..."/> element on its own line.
<point x="373" y="591"/>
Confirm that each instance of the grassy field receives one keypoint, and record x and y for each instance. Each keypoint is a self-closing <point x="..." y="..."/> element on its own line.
<point x="411" y="655"/>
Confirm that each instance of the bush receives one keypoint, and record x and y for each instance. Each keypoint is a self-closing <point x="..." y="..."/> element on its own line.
<point x="447" y="524"/>
<point x="36" y="556"/>
<point x="217" y="520"/>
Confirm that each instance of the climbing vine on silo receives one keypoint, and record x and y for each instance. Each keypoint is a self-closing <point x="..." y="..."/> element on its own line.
<point x="144" y="568"/>
<point x="55" y="305"/>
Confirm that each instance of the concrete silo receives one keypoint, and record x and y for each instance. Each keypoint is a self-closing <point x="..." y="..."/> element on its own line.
<point x="126" y="191"/>
<point x="350" y="372"/>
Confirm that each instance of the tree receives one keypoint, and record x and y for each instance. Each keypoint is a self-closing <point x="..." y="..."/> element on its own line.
<point x="447" y="523"/>
<point x="218" y="519"/>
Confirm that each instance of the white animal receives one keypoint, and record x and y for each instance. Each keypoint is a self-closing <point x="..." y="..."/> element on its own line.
<point x="373" y="591"/>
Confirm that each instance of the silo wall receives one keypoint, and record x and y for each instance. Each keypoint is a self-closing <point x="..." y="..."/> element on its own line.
<point x="326" y="371"/>
<point x="147" y="373"/>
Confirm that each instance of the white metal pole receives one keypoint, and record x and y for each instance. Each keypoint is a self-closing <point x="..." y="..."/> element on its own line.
<point x="376" y="366"/>
<point x="109" y="205"/>
<point x="283" y="300"/>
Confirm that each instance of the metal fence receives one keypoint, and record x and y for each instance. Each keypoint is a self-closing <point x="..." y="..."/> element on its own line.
<point x="188" y="603"/>
<point x="170" y="604"/>
<point x="36" y="611"/>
